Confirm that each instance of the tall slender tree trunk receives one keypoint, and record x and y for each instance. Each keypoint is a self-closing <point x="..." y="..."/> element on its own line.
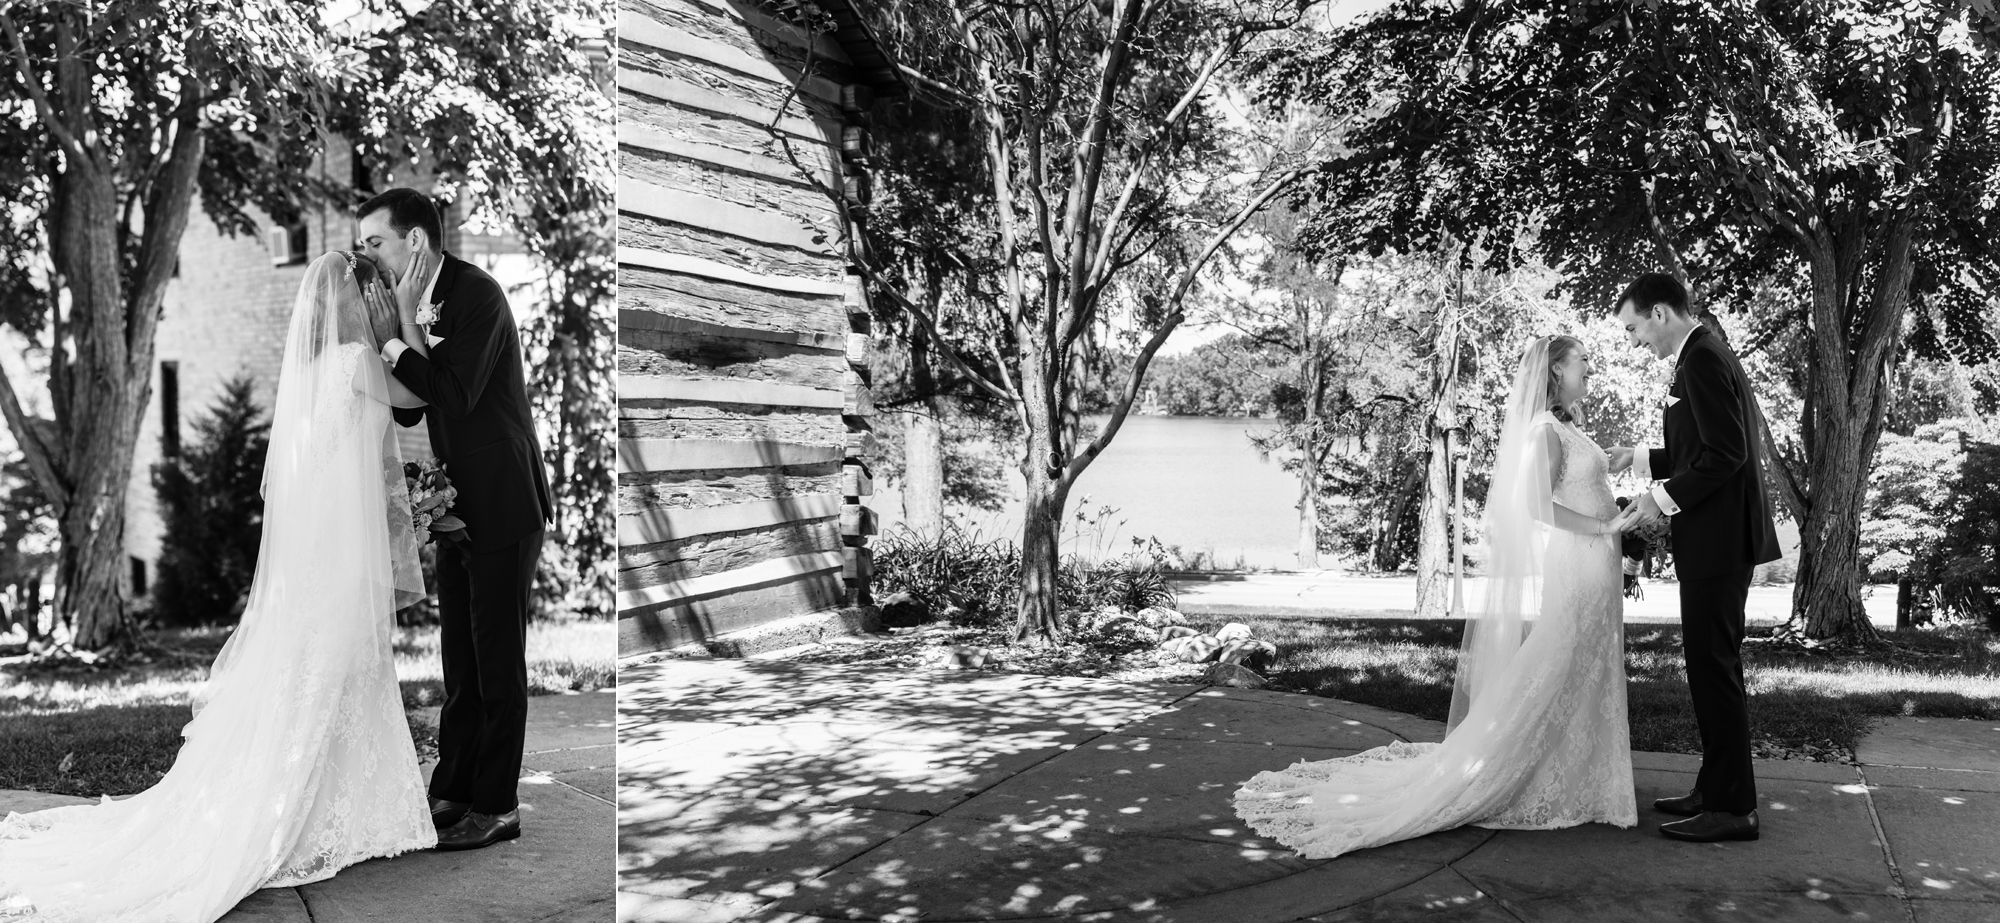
<point x="1039" y="616"/>
<point x="1434" y="546"/>
<point x="923" y="446"/>
<point x="1387" y="558"/>
<point x="1311" y="369"/>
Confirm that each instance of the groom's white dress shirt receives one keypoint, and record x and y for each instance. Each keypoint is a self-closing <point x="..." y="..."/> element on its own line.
<point x="393" y="350"/>
<point x="1642" y="460"/>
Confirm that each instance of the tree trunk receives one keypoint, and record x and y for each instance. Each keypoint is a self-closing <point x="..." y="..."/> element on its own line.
<point x="923" y="446"/>
<point x="1847" y="399"/>
<point x="100" y="392"/>
<point x="1387" y="558"/>
<point x="1308" y="515"/>
<point x="923" y="470"/>
<point x="1433" y="547"/>
<point x="1039" y="618"/>
<point x="1310" y="455"/>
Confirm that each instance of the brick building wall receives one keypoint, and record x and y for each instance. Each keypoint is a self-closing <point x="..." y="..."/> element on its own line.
<point x="228" y="310"/>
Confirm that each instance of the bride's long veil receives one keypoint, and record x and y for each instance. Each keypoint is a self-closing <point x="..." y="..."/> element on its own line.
<point x="297" y="760"/>
<point x="1519" y="509"/>
<point x="335" y="509"/>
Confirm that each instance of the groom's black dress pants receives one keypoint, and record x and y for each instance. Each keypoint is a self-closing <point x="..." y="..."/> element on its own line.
<point x="482" y="639"/>
<point x="1712" y="642"/>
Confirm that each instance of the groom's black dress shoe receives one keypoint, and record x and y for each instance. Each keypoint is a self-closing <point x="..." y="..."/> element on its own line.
<point x="1687" y="805"/>
<point x="1713" y="827"/>
<point x="478" y="831"/>
<point x="444" y="812"/>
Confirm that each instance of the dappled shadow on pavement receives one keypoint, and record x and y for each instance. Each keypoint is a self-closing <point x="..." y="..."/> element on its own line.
<point x="775" y="791"/>
<point x="841" y="792"/>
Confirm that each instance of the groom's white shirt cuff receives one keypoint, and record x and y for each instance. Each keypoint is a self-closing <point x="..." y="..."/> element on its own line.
<point x="1642" y="466"/>
<point x="394" y="349"/>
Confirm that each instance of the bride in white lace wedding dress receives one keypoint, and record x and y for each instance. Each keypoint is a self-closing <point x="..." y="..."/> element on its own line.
<point x="1537" y="737"/>
<point x="299" y="760"/>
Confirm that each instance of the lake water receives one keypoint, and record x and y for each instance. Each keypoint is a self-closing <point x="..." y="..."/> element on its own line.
<point x="1195" y="482"/>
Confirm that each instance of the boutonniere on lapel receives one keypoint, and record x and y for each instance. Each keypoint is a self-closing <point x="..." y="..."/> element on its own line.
<point x="428" y="314"/>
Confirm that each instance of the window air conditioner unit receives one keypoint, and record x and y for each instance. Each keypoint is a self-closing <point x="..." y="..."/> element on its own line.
<point x="278" y="240"/>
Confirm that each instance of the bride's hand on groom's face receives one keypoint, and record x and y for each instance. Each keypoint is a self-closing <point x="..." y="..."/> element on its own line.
<point x="382" y="313"/>
<point x="410" y="285"/>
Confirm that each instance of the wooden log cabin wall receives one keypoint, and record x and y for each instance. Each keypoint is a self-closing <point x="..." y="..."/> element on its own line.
<point x="745" y="447"/>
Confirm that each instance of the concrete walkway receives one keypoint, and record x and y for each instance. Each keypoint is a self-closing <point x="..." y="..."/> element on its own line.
<point x="1324" y="593"/>
<point x="771" y="791"/>
<point x="559" y="871"/>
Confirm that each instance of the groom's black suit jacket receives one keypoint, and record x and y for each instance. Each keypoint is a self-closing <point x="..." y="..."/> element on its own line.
<point x="474" y="385"/>
<point x="1715" y="463"/>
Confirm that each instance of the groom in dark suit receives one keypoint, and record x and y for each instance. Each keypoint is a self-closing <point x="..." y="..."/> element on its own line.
<point x="460" y="352"/>
<point x="1712" y="485"/>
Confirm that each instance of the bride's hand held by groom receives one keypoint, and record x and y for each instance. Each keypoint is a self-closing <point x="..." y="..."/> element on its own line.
<point x="1643" y="511"/>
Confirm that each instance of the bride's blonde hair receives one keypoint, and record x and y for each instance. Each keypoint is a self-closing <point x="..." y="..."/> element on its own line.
<point x="1546" y="353"/>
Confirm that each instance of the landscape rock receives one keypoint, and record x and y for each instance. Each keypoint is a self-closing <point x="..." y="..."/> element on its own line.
<point x="899" y="610"/>
<point x="1160" y="617"/>
<point x="970" y="657"/>
<point x="1171" y="632"/>
<point x="1248" y="652"/>
<point x="1234" y="631"/>
<point x="1193" y="648"/>
<point x="1229" y="674"/>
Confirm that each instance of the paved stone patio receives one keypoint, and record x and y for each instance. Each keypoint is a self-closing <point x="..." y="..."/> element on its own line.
<point x="772" y="791"/>
<point x="559" y="871"/>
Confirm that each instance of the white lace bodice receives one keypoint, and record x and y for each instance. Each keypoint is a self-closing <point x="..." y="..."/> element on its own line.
<point x="1584" y="484"/>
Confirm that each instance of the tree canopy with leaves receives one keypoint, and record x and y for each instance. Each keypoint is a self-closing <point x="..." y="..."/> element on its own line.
<point x="1109" y="183"/>
<point x="1831" y="166"/>
<point x="132" y="111"/>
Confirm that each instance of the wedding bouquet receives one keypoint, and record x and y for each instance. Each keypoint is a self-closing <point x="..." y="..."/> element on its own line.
<point x="1636" y="545"/>
<point x="431" y="497"/>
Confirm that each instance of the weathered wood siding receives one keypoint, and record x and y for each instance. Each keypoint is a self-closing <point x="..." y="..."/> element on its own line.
<point x="743" y="404"/>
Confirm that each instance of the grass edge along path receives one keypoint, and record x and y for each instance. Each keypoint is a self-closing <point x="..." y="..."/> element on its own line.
<point x="1803" y="705"/>
<point x="116" y="732"/>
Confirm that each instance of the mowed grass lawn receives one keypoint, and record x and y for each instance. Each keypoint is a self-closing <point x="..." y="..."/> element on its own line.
<point x="119" y="729"/>
<point x="1802" y="705"/>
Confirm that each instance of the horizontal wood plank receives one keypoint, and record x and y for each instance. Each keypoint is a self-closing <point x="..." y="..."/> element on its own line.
<point x="643" y="455"/>
<point x="856" y="481"/>
<point x="638" y="319"/>
<point x="857" y="520"/>
<point x="726" y="303"/>
<point x="689" y="96"/>
<point x="712" y="269"/>
<point x="664" y="525"/>
<point x="661" y="627"/>
<point x="780" y="570"/>
<point x="643" y="30"/>
<point x="649" y="138"/>
<point x="663" y="204"/>
<point x="727" y="391"/>
<point x="858" y="564"/>
<point x="667" y="237"/>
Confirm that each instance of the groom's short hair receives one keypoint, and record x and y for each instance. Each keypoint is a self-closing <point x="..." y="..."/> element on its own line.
<point x="408" y="209"/>
<point x="1653" y="288"/>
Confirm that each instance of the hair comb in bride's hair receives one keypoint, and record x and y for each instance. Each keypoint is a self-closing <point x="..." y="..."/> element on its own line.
<point x="362" y="267"/>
